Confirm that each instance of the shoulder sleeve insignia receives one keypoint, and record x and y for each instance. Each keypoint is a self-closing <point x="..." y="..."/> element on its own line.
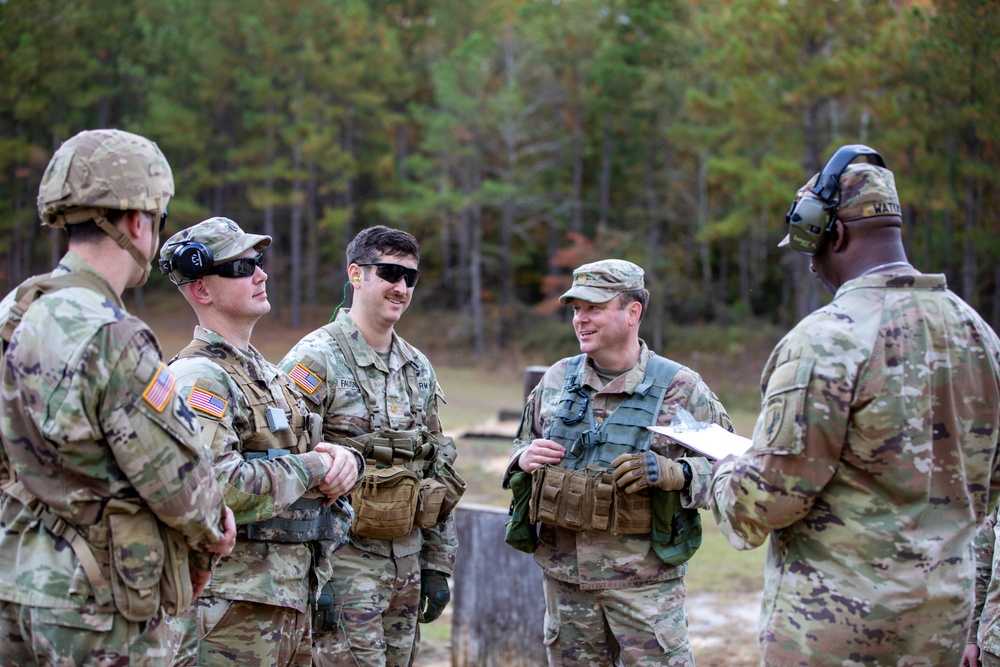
<point x="305" y="378"/>
<point x="207" y="402"/>
<point x="160" y="388"/>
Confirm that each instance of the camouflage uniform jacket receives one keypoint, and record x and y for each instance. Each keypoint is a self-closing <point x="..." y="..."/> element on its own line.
<point x="272" y="573"/>
<point x="986" y="617"/>
<point x="873" y="462"/>
<point x="332" y="390"/>
<point x="601" y="559"/>
<point x="89" y="413"/>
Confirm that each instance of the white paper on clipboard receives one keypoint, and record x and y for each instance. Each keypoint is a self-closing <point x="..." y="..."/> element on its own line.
<point x="713" y="442"/>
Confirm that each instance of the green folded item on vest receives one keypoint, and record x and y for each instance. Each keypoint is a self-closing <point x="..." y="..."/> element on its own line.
<point x="520" y="532"/>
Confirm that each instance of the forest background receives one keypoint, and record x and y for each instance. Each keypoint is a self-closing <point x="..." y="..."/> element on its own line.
<point x="518" y="139"/>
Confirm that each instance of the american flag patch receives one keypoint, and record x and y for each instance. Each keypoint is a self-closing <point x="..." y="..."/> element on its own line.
<point x="160" y="388"/>
<point x="207" y="402"/>
<point x="305" y="378"/>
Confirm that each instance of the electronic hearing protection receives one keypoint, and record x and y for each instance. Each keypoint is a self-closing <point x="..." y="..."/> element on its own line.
<point x="811" y="219"/>
<point x="193" y="260"/>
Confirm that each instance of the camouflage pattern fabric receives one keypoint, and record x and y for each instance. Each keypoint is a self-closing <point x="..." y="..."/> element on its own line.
<point x="271" y="573"/>
<point x="985" y="629"/>
<point x="78" y="637"/>
<point x="600" y="568"/>
<point x="376" y="605"/>
<point x="873" y="462"/>
<point x="575" y="621"/>
<point x="325" y="375"/>
<point x="215" y="632"/>
<point x="989" y="659"/>
<point x="89" y="412"/>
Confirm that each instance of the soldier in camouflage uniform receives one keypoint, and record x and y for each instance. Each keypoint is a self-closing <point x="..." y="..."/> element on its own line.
<point x="110" y="512"/>
<point x="874" y="456"/>
<point x="613" y="594"/>
<point x="380" y="394"/>
<point x="984" y="636"/>
<point x="279" y="476"/>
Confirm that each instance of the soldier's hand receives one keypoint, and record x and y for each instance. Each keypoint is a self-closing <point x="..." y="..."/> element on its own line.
<point x="971" y="656"/>
<point x="342" y="474"/>
<point x="224" y="547"/>
<point x="539" y="453"/>
<point x="434" y="595"/>
<point x="634" y="472"/>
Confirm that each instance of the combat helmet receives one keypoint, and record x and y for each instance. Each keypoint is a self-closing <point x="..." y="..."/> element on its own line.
<point x="100" y="170"/>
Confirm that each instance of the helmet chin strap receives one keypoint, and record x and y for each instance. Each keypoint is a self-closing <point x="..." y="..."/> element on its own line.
<point x="124" y="242"/>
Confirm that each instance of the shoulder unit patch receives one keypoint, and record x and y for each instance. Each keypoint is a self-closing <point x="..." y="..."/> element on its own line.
<point x="160" y="388"/>
<point x="305" y="378"/>
<point x="207" y="402"/>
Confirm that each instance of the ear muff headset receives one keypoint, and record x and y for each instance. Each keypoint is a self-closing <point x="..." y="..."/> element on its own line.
<point x="193" y="260"/>
<point x="811" y="219"/>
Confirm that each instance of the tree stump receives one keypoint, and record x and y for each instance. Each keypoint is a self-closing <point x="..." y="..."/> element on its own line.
<point x="499" y="608"/>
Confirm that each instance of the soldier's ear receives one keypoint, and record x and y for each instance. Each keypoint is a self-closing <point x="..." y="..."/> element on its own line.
<point x="199" y="292"/>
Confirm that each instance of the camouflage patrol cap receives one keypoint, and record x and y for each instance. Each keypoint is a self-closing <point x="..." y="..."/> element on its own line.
<point x="602" y="281"/>
<point x="221" y="235"/>
<point x="866" y="191"/>
<point x="103" y="169"/>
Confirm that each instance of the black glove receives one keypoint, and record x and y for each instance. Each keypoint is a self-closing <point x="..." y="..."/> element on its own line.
<point x="434" y="595"/>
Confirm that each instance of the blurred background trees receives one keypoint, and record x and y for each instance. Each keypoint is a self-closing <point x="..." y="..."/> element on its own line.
<point x="519" y="138"/>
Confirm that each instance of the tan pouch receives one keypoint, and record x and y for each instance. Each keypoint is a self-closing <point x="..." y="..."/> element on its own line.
<point x="429" y="501"/>
<point x="563" y="498"/>
<point x="137" y="557"/>
<point x="386" y="503"/>
<point x="633" y="513"/>
<point x="604" y="493"/>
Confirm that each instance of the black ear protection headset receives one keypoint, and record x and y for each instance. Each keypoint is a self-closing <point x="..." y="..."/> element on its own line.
<point x="193" y="260"/>
<point x="811" y="219"/>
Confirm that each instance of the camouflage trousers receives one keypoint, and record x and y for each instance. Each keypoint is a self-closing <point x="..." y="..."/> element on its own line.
<point x="215" y="632"/>
<point x="644" y="626"/>
<point x="987" y="659"/>
<point x="376" y="601"/>
<point x="31" y="636"/>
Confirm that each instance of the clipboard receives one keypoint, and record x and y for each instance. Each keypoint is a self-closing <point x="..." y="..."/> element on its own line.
<point x="710" y="440"/>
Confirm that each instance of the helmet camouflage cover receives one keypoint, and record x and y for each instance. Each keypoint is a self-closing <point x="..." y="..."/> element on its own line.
<point x="104" y="169"/>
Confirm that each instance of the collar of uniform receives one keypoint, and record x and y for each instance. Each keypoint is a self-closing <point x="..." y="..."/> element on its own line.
<point x="73" y="263"/>
<point x="251" y="358"/>
<point x="363" y="353"/>
<point x="927" y="281"/>
<point x="624" y="383"/>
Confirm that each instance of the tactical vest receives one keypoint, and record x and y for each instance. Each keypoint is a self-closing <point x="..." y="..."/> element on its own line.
<point x="585" y="498"/>
<point x="306" y="519"/>
<point x="623" y="432"/>
<point x="409" y="480"/>
<point x="126" y="526"/>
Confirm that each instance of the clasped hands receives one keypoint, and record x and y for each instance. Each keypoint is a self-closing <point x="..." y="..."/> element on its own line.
<point x="342" y="474"/>
<point x="631" y="472"/>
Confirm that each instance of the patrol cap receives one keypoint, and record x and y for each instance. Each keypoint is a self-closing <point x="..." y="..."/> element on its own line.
<point x="220" y="235"/>
<point x="602" y="281"/>
<point x="866" y="191"/>
<point x="97" y="170"/>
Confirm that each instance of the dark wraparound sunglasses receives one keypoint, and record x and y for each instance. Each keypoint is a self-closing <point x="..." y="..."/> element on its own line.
<point x="163" y="220"/>
<point x="238" y="268"/>
<point x="391" y="273"/>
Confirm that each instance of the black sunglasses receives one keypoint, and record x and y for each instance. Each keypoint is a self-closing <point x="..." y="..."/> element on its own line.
<point x="163" y="220"/>
<point x="391" y="273"/>
<point x="238" y="268"/>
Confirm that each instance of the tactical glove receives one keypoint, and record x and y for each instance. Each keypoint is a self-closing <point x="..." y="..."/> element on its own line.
<point x="634" y="472"/>
<point x="434" y="595"/>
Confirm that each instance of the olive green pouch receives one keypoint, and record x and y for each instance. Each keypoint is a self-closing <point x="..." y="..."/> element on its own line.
<point x="520" y="532"/>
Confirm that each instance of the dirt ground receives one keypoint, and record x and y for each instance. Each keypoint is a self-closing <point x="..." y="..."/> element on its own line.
<point x="722" y="630"/>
